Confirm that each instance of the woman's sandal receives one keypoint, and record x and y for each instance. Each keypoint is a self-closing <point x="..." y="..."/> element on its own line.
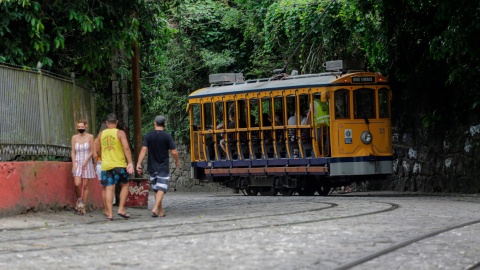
<point x="124" y="215"/>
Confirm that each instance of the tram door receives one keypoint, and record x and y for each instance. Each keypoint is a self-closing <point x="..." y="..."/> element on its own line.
<point x="196" y="127"/>
<point x="305" y="128"/>
<point x="220" y="126"/>
<point x="207" y="134"/>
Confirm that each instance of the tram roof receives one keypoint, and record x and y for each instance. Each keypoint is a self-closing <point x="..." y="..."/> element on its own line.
<point x="268" y="84"/>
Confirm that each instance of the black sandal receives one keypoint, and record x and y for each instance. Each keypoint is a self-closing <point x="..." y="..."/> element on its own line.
<point x="124" y="215"/>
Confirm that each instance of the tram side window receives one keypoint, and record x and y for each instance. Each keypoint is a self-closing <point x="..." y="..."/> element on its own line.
<point x="207" y="113"/>
<point x="219" y="121"/>
<point x="383" y="103"/>
<point x="254" y="111"/>
<point x="342" y="105"/>
<point x="279" y="113"/>
<point x="230" y="108"/>
<point x="196" y="117"/>
<point x="266" y="112"/>
<point x="364" y="103"/>
<point x="292" y="111"/>
<point x="304" y="108"/>
<point x="242" y="114"/>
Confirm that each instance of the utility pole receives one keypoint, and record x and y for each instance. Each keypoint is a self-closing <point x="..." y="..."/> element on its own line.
<point x="137" y="113"/>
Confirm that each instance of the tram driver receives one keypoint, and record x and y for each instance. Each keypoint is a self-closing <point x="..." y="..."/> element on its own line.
<point x="321" y="120"/>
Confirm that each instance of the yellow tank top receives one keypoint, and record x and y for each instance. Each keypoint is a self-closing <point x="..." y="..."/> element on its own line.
<point x="112" y="150"/>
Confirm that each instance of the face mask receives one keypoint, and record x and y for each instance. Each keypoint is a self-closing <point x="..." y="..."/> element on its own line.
<point x="81" y="130"/>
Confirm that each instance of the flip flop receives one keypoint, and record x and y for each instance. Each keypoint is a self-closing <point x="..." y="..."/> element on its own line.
<point x="163" y="215"/>
<point x="124" y="215"/>
<point x="111" y="219"/>
<point x="154" y="215"/>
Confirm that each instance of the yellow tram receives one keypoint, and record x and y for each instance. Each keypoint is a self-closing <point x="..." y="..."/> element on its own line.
<point x="262" y="136"/>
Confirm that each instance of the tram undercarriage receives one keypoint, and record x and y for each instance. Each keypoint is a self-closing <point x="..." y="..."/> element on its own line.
<point x="303" y="185"/>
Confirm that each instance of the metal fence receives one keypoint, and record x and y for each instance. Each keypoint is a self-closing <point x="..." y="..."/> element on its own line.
<point x="38" y="112"/>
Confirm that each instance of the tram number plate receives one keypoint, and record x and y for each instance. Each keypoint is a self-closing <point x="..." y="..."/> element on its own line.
<point x="362" y="79"/>
<point x="348" y="136"/>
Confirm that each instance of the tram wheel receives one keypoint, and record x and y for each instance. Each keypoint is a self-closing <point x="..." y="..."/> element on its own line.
<point x="286" y="191"/>
<point x="306" y="192"/>
<point x="251" y="191"/>
<point x="268" y="191"/>
<point x="324" y="190"/>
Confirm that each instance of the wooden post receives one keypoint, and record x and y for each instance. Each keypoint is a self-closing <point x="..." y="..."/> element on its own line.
<point x="137" y="116"/>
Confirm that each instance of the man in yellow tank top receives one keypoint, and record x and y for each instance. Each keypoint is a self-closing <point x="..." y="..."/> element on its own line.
<point x="115" y="170"/>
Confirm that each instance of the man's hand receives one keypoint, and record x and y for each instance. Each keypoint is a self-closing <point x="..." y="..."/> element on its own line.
<point x="139" y="169"/>
<point x="85" y="163"/>
<point x="177" y="163"/>
<point x="130" y="168"/>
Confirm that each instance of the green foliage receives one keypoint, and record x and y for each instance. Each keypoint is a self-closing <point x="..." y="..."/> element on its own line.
<point x="72" y="36"/>
<point x="428" y="50"/>
<point x="424" y="56"/>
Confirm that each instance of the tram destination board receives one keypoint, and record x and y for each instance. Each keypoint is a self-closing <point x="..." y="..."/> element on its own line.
<point x="363" y="79"/>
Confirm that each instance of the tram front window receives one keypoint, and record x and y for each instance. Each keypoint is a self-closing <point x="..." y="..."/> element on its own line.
<point x="364" y="103"/>
<point x="341" y="104"/>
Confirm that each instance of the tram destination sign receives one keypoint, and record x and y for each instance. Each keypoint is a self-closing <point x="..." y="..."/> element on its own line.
<point x="363" y="79"/>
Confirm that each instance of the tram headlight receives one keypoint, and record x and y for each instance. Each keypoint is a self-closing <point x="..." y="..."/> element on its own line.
<point x="366" y="137"/>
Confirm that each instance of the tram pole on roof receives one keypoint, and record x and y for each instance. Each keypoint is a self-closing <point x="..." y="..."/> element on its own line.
<point x="137" y="113"/>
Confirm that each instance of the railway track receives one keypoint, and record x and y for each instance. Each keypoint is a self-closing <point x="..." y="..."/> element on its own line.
<point x="406" y="243"/>
<point x="392" y="207"/>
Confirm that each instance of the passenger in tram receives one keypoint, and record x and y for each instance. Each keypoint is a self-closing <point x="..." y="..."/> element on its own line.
<point x="306" y="118"/>
<point x="292" y="121"/>
<point x="266" y="123"/>
<point x="279" y="118"/>
<point x="278" y="122"/>
<point x="220" y="135"/>
<point x="322" y="121"/>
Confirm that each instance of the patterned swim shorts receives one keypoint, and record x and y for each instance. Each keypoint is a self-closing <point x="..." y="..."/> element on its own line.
<point x="159" y="181"/>
<point x="114" y="176"/>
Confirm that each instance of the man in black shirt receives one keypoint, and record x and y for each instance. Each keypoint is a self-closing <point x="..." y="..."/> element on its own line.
<point x="158" y="142"/>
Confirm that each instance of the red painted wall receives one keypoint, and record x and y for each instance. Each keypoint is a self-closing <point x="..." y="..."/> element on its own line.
<point x="27" y="186"/>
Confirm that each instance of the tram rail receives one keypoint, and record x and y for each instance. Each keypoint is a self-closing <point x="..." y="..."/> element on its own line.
<point x="392" y="207"/>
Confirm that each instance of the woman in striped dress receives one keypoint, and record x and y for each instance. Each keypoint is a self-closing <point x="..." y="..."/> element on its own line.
<point x="82" y="151"/>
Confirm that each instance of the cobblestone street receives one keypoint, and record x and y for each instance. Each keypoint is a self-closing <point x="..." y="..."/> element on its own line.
<point x="232" y="231"/>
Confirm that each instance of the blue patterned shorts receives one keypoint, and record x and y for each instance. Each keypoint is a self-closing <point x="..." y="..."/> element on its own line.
<point x="159" y="181"/>
<point x="114" y="176"/>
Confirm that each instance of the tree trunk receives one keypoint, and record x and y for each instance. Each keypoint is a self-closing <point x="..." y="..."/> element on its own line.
<point x="137" y="120"/>
<point x="115" y="85"/>
<point x="123" y="112"/>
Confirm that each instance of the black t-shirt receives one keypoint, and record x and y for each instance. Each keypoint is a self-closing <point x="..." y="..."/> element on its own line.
<point x="158" y="143"/>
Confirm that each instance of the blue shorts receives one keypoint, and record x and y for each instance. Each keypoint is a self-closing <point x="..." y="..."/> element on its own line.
<point x="159" y="181"/>
<point x="114" y="176"/>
